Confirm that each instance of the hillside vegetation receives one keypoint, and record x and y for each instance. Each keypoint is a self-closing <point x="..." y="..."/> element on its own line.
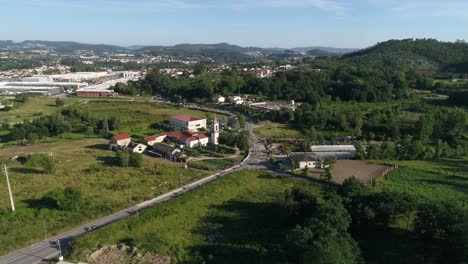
<point x="421" y="54"/>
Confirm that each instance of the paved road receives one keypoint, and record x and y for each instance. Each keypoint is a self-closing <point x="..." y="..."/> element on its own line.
<point x="48" y="249"/>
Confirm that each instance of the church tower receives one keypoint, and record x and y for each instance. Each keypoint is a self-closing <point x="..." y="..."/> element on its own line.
<point x="215" y="131"/>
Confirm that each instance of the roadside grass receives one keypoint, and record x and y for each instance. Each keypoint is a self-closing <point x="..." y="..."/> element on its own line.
<point x="236" y="219"/>
<point x="441" y="180"/>
<point x="213" y="164"/>
<point x="276" y="130"/>
<point x="106" y="189"/>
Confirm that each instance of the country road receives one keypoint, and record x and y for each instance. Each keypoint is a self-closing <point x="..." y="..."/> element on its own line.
<point x="45" y="250"/>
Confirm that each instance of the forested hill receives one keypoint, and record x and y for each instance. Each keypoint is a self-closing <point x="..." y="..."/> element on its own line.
<point x="419" y="54"/>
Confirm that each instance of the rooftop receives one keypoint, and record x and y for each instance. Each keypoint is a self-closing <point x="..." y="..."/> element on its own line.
<point x="304" y="156"/>
<point x="186" y="118"/>
<point x="121" y="136"/>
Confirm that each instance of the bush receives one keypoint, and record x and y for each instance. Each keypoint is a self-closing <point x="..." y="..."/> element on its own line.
<point x="71" y="200"/>
<point x="43" y="161"/>
<point x="135" y="160"/>
<point x="122" y="158"/>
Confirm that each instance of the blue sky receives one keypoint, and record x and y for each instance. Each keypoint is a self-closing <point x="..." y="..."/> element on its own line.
<point x="263" y="23"/>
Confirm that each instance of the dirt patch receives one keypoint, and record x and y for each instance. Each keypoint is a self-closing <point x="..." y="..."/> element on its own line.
<point x="122" y="254"/>
<point x="363" y="170"/>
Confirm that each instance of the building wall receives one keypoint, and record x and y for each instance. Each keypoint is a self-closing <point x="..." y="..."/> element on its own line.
<point x="309" y="164"/>
<point x="122" y="142"/>
<point x="94" y="94"/>
<point x="197" y="143"/>
<point x="157" y="140"/>
<point x="192" y="125"/>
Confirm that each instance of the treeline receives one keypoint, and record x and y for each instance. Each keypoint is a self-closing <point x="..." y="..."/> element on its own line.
<point x="235" y="139"/>
<point x="424" y="54"/>
<point x="66" y="120"/>
<point x="347" y="83"/>
<point x="325" y="229"/>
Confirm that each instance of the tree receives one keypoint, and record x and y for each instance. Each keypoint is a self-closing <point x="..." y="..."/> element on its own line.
<point x="135" y="160"/>
<point x="59" y="102"/>
<point x="31" y="137"/>
<point x="122" y="158"/>
<point x="71" y="200"/>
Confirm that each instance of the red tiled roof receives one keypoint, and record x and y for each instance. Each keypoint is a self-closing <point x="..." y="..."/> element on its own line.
<point x="186" y="118"/>
<point x="121" y="136"/>
<point x="186" y="135"/>
<point x="154" y="137"/>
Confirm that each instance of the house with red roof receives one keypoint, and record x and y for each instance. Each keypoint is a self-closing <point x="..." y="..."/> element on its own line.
<point x="120" y="140"/>
<point x="188" y="122"/>
<point x="151" y="140"/>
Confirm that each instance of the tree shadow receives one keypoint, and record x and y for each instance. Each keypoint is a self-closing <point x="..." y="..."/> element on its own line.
<point x="243" y="232"/>
<point x="98" y="146"/>
<point x="27" y="170"/>
<point x="42" y="203"/>
<point x="462" y="187"/>
<point x="109" y="161"/>
<point x="389" y="245"/>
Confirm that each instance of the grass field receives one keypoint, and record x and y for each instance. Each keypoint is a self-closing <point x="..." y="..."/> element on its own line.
<point x="136" y="117"/>
<point x="276" y="130"/>
<point x="106" y="190"/>
<point x="444" y="180"/>
<point x="213" y="164"/>
<point x="233" y="220"/>
<point x="35" y="106"/>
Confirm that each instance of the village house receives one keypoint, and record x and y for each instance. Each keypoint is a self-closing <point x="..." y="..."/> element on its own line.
<point x="219" y="99"/>
<point x="237" y="100"/>
<point x="306" y="160"/>
<point x="189" y="139"/>
<point x="188" y="122"/>
<point x="151" y="140"/>
<point x="168" y="152"/>
<point x="120" y="141"/>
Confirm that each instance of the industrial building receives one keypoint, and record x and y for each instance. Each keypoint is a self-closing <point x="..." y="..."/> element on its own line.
<point x="88" y="84"/>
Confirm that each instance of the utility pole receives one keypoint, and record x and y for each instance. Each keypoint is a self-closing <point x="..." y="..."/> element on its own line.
<point x="107" y="124"/>
<point x="60" y="250"/>
<point x="9" y="188"/>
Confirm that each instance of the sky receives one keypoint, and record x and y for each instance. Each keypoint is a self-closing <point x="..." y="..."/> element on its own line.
<point x="260" y="23"/>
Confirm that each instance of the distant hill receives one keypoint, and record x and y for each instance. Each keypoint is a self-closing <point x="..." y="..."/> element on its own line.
<point x="326" y="49"/>
<point x="419" y="54"/>
<point x="60" y="46"/>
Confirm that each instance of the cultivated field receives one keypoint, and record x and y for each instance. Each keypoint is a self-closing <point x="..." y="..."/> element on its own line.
<point x="276" y="130"/>
<point x="363" y="170"/>
<point x="442" y="180"/>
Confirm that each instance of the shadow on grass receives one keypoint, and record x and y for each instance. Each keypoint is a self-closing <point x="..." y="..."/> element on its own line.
<point x="108" y="161"/>
<point x="98" y="146"/>
<point x="42" y="203"/>
<point x="462" y="187"/>
<point x="244" y="232"/>
<point x="390" y="245"/>
<point x="27" y="170"/>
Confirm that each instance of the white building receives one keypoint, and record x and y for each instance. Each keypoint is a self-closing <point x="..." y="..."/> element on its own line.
<point x="235" y="100"/>
<point x="198" y="140"/>
<point x="306" y="160"/>
<point x="188" y="122"/>
<point x="219" y="99"/>
<point x="151" y="140"/>
<point x="121" y="140"/>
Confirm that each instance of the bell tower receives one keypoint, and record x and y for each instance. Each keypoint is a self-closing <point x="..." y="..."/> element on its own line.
<point x="215" y="131"/>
